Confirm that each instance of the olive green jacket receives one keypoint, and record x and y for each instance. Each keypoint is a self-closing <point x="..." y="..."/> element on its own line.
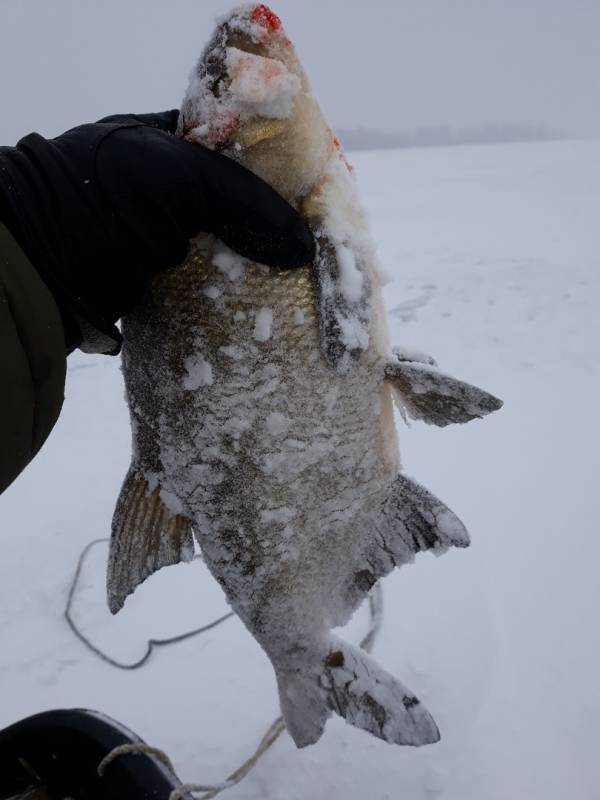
<point x="32" y="361"/>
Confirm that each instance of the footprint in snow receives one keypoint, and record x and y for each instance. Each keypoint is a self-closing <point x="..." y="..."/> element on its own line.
<point x="406" y="310"/>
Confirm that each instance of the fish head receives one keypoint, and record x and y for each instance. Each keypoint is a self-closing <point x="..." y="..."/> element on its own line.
<point x="250" y="98"/>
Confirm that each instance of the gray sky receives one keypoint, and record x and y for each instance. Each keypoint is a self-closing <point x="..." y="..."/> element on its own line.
<point x="387" y="64"/>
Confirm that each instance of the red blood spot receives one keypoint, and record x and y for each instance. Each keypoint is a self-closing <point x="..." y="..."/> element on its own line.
<point x="223" y="126"/>
<point x="338" y="146"/>
<point x="263" y="15"/>
<point x="218" y="131"/>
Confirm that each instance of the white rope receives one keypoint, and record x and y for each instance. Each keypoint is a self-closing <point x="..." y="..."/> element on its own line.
<point x="189" y="788"/>
<point x="274" y="731"/>
<point x="134" y="749"/>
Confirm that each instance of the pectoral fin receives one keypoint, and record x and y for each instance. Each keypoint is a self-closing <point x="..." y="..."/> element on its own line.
<point x="146" y="536"/>
<point x="434" y="397"/>
<point x="343" y="299"/>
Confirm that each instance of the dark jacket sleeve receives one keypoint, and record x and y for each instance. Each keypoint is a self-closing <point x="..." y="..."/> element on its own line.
<point x="32" y="360"/>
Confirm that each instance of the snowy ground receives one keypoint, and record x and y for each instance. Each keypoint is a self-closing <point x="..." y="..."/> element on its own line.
<point x="495" y="258"/>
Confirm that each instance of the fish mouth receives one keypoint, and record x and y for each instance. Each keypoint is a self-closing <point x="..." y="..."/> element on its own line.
<point x="241" y="77"/>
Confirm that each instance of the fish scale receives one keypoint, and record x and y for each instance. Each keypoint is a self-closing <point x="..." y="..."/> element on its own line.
<point x="273" y="442"/>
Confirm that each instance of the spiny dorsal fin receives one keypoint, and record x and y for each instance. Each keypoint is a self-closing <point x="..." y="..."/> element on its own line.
<point x="146" y="536"/>
<point x="434" y="397"/>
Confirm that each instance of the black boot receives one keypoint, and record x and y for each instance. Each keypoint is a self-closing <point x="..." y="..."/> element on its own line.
<point x="55" y="756"/>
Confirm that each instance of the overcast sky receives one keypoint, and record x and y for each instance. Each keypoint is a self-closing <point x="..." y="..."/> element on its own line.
<point x="387" y="64"/>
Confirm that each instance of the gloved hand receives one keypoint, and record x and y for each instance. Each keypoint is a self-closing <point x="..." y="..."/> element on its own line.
<point x="103" y="207"/>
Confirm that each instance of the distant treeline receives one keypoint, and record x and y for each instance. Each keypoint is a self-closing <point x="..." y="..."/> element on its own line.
<point x="444" y="135"/>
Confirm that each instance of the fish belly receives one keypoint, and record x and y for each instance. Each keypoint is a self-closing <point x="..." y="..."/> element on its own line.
<point x="275" y="458"/>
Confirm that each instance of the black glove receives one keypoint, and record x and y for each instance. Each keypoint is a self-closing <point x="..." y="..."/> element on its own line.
<point x="103" y="207"/>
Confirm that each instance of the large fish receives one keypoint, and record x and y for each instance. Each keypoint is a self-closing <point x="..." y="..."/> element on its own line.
<point x="262" y="407"/>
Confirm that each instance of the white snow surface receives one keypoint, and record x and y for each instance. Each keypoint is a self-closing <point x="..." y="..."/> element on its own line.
<point x="494" y="256"/>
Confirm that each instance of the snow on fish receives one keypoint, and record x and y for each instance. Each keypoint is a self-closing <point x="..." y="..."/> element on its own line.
<point x="262" y="407"/>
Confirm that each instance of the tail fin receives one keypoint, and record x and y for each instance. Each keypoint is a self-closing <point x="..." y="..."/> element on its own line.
<point x="146" y="536"/>
<point x="350" y="683"/>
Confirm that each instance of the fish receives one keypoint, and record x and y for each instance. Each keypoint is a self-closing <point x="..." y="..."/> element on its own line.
<point x="262" y="406"/>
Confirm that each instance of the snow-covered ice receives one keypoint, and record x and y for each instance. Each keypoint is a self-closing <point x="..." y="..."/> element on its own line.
<point x="494" y="256"/>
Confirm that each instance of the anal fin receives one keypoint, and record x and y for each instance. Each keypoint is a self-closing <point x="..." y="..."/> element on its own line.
<point x="434" y="397"/>
<point x="145" y="536"/>
<point x="411" y="521"/>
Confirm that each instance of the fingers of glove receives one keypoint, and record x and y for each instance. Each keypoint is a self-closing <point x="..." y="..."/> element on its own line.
<point x="187" y="188"/>
<point x="250" y="216"/>
<point x="163" y="121"/>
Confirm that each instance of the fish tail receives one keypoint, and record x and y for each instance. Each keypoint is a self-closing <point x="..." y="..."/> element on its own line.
<point x="348" y="682"/>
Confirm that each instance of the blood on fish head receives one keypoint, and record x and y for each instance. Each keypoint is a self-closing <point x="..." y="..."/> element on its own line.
<point x="260" y="23"/>
<point x="249" y="71"/>
<point x="262" y="15"/>
<point x="250" y="98"/>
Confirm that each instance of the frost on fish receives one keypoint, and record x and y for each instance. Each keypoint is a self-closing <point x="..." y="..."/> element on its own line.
<point x="342" y="267"/>
<point x="198" y="372"/>
<point x="263" y="324"/>
<point x="410" y="354"/>
<point x="262" y="407"/>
